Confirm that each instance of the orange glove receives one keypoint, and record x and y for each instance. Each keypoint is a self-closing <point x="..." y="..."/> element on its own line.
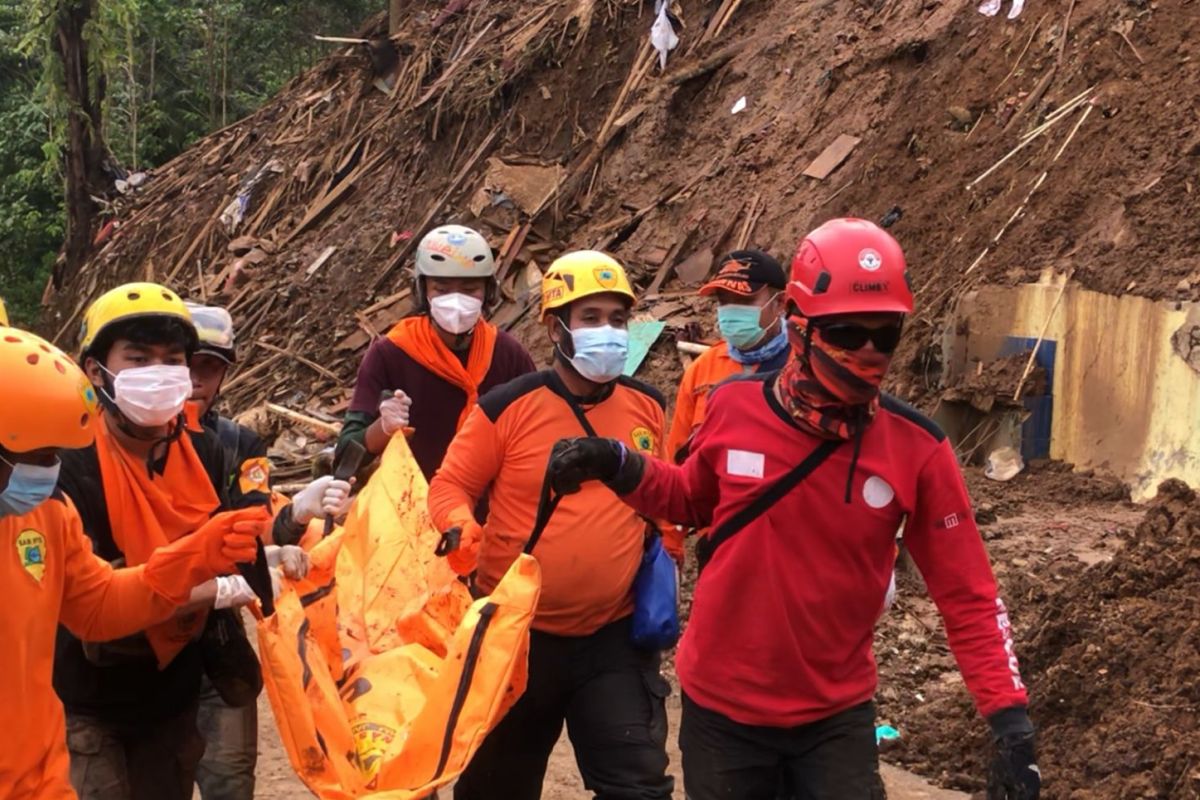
<point x="465" y="557"/>
<point x="215" y="548"/>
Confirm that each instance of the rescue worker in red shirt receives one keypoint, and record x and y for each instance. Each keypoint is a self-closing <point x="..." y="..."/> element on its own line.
<point x="776" y="664"/>
<point x="583" y="667"/>
<point x="749" y="294"/>
<point x="433" y="366"/>
<point x="47" y="567"/>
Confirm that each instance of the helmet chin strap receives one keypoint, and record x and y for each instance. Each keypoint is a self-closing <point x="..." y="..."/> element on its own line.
<point x="132" y="431"/>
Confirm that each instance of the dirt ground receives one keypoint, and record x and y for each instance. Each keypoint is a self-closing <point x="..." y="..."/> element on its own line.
<point x="277" y="781"/>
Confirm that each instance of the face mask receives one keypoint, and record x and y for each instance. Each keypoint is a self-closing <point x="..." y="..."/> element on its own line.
<point x="852" y="377"/>
<point x="455" y="313"/>
<point x="154" y="395"/>
<point x="28" y="487"/>
<point x="600" y="352"/>
<point x="739" y="325"/>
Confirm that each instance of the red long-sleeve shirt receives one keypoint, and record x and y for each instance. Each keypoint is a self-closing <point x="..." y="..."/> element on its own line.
<point x="783" y="617"/>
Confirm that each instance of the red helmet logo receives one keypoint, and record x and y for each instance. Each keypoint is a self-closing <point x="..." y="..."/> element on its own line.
<point x="870" y="260"/>
<point x="827" y="271"/>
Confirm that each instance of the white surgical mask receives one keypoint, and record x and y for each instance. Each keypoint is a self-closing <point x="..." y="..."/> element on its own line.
<point x="28" y="487"/>
<point x="600" y="352"/>
<point x="455" y="313"/>
<point x="154" y="395"/>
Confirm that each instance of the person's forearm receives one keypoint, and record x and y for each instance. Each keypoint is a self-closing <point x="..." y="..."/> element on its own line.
<point x="663" y="493"/>
<point x="202" y="596"/>
<point x="374" y="437"/>
<point x="285" y="529"/>
<point x="115" y="604"/>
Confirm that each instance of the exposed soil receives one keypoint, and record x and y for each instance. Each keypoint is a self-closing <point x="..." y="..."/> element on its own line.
<point x="1110" y="651"/>
<point x="931" y="88"/>
<point x="937" y="93"/>
<point x="994" y="384"/>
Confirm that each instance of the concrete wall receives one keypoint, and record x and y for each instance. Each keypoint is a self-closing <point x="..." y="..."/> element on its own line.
<point x="1124" y="400"/>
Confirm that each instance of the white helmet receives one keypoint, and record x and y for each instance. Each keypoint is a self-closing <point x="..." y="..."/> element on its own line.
<point x="454" y="251"/>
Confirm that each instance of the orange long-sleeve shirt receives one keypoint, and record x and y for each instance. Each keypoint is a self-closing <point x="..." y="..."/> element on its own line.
<point x="50" y="575"/>
<point x="592" y="547"/>
<point x="691" y="404"/>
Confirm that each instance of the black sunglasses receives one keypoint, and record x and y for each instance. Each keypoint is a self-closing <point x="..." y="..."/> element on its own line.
<point x="849" y="336"/>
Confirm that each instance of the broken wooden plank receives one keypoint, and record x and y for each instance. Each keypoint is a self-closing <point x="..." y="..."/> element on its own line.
<point x="466" y="169"/>
<point x="200" y="237"/>
<point x="832" y="157"/>
<point x="304" y="419"/>
<point x="668" y="264"/>
<point x="513" y="247"/>
<point x="331" y="197"/>
<point x="314" y="366"/>
<point x="244" y="375"/>
<point x="454" y="67"/>
<point x="319" y="261"/>
<point x="695" y="268"/>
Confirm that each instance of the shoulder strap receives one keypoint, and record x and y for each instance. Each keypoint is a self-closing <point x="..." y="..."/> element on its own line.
<point x="579" y="415"/>
<point x="772" y="495"/>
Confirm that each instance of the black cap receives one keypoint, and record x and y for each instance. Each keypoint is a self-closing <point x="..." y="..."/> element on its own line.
<point x="744" y="272"/>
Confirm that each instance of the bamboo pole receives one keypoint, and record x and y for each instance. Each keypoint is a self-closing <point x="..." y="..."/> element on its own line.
<point x="1041" y="336"/>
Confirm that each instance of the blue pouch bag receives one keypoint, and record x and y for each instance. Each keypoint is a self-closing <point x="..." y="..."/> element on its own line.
<point x="655" y="623"/>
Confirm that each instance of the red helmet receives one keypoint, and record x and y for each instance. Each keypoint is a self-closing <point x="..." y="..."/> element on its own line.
<point x="849" y="266"/>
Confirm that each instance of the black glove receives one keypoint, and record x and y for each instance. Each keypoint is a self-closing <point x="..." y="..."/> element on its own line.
<point x="573" y="461"/>
<point x="449" y="542"/>
<point x="1014" y="774"/>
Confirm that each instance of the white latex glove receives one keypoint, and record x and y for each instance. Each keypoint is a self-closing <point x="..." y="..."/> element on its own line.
<point x="323" y="496"/>
<point x="287" y="561"/>
<point x="292" y="561"/>
<point x="233" y="592"/>
<point x="394" y="412"/>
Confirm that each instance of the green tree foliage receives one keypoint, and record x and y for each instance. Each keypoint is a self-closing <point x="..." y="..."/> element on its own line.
<point x="168" y="72"/>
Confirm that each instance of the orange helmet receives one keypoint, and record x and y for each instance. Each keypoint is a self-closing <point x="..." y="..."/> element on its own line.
<point x="48" y="401"/>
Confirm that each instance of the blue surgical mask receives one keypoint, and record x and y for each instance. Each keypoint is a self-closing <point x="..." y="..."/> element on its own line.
<point x="28" y="487"/>
<point x="600" y="352"/>
<point x="739" y="324"/>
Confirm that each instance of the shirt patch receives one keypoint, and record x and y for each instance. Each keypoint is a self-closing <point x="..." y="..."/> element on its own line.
<point x="644" y="440"/>
<point x="877" y="493"/>
<point x="31" y="547"/>
<point x="255" y="476"/>
<point x="949" y="522"/>
<point x="744" y="463"/>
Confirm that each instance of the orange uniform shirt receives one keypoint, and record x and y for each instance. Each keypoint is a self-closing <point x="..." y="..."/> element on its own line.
<point x="593" y="545"/>
<point x="691" y="403"/>
<point x="50" y="575"/>
<point x="699" y="379"/>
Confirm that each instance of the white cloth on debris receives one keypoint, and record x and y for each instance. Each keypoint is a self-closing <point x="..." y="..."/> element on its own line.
<point x="990" y="8"/>
<point x="662" y="34"/>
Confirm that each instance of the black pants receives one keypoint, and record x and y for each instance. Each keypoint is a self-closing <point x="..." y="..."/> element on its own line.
<point x="134" y="762"/>
<point x="613" y="700"/>
<point x="831" y="759"/>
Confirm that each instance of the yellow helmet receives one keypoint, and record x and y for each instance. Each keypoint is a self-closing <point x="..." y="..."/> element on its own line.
<point x="3" y="313"/>
<point x="128" y="302"/>
<point x="48" y="401"/>
<point x="582" y="273"/>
